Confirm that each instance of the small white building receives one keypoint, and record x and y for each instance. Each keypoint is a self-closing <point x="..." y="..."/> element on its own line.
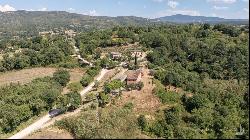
<point x="138" y="53"/>
<point x="115" y="55"/>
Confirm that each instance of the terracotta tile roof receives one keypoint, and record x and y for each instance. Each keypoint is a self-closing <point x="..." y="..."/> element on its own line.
<point x="132" y="75"/>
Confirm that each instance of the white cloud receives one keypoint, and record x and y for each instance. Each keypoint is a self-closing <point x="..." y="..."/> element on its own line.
<point x="91" y="13"/>
<point x="246" y="10"/>
<point x="71" y="9"/>
<point x="219" y="7"/>
<point x="43" y="9"/>
<point x="6" y="8"/>
<point x="173" y="4"/>
<point x="214" y="15"/>
<point x="144" y="6"/>
<point x="222" y="1"/>
<point x="174" y="12"/>
<point x="245" y="0"/>
<point x="158" y="0"/>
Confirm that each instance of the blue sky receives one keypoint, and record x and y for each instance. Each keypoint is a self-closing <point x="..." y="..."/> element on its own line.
<point x="143" y="8"/>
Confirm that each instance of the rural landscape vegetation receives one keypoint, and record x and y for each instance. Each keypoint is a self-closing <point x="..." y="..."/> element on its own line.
<point x="174" y="77"/>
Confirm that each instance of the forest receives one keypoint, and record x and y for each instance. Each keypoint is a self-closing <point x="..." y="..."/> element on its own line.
<point x="212" y="64"/>
<point x="19" y="103"/>
<point x="208" y="62"/>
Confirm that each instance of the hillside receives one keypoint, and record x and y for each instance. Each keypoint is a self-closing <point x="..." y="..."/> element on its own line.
<point x="35" y="21"/>
<point x="200" y="19"/>
<point x="31" y="22"/>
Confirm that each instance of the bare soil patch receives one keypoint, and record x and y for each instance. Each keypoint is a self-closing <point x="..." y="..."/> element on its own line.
<point x="25" y="75"/>
<point x="143" y="100"/>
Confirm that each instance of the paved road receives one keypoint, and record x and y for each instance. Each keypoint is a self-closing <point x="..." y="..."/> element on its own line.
<point x="41" y="122"/>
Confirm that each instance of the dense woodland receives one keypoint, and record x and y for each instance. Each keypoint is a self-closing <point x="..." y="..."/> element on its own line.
<point x="36" y="51"/>
<point x="20" y="103"/>
<point x="210" y="63"/>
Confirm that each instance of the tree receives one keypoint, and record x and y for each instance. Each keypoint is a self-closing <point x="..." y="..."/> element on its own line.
<point x="206" y="26"/>
<point x="103" y="99"/>
<point x="74" y="100"/>
<point x="22" y="61"/>
<point x="142" y="122"/>
<point x="50" y="96"/>
<point x="8" y="62"/>
<point x="113" y="85"/>
<point x="62" y="77"/>
<point x="75" y="87"/>
<point x="136" y="64"/>
<point x="86" y="79"/>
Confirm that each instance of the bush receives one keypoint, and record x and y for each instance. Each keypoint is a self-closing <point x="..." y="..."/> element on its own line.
<point x="86" y="79"/>
<point x="62" y="77"/>
<point x="168" y="97"/>
<point x="93" y="71"/>
<point x="129" y="105"/>
<point x="137" y="86"/>
<point x="113" y="85"/>
<point x="142" y="122"/>
<point x="74" y="100"/>
<point x="140" y="85"/>
<point x="75" y="87"/>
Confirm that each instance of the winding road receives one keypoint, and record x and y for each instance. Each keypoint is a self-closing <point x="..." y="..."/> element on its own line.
<point x="80" y="58"/>
<point x="42" y="121"/>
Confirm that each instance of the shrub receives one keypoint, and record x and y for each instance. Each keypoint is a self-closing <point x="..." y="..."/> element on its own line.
<point x="75" y="87"/>
<point x="129" y="105"/>
<point x="74" y="100"/>
<point x="140" y="85"/>
<point x="142" y="122"/>
<point x="62" y="77"/>
<point x="86" y="79"/>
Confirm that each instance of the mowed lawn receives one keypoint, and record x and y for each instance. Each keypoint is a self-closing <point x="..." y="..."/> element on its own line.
<point x="26" y="75"/>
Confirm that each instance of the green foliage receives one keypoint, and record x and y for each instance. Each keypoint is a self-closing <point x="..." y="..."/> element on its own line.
<point x="113" y="85"/>
<point x="21" y="102"/>
<point x="62" y="77"/>
<point x="129" y="105"/>
<point x="75" y="87"/>
<point x="89" y="76"/>
<point x="74" y="100"/>
<point x="114" y="123"/>
<point x="86" y="79"/>
<point x="135" y="86"/>
<point x="90" y="97"/>
<point x="40" y="51"/>
<point x="103" y="99"/>
<point x="93" y="71"/>
<point x="168" y="97"/>
<point x="142" y="122"/>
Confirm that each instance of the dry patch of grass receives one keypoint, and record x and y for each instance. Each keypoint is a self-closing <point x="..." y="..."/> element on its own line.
<point x="143" y="100"/>
<point x="51" y="133"/>
<point x="25" y="75"/>
<point x="75" y="76"/>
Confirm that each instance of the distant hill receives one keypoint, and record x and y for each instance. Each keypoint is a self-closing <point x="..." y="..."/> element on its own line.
<point x="200" y="19"/>
<point x="31" y="22"/>
<point x="45" y="20"/>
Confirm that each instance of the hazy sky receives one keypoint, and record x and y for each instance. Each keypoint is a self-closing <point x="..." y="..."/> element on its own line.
<point x="144" y="8"/>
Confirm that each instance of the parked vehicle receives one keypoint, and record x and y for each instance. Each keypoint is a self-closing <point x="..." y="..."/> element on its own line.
<point x="55" y="112"/>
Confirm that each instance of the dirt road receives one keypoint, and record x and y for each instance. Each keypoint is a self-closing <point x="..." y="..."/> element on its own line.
<point x="31" y="128"/>
<point x="41" y="122"/>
